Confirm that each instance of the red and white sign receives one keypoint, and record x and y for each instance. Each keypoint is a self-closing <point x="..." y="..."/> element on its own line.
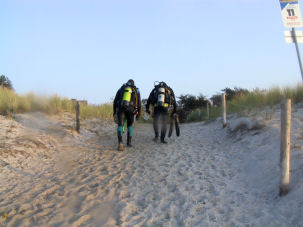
<point x="291" y="13"/>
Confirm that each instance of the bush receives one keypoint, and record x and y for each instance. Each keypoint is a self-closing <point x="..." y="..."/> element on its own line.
<point x="216" y="100"/>
<point x="230" y="94"/>
<point x="188" y="103"/>
<point x="191" y="102"/>
<point x="5" y="82"/>
<point x="197" y="115"/>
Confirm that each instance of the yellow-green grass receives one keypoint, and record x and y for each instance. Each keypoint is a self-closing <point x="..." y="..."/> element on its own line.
<point x="11" y="103"/>
<point x="255" y="100"/>
<point x="104" y="111"/>
<point x="260" y="98"/>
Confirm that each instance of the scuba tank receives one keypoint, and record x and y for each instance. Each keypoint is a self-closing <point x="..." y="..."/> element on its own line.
<point x="161" y="96"/>
<point x="127" y="96"/>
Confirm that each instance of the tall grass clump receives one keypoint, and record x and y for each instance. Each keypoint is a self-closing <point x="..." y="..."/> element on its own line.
<point x="104" y="111"/>
<point x="8" y="101"/>
<point x="250" y="102"/>
<point x="56" y="104"/>
<point x="34" y="103"/>
<point x="295" y="93"/>
<point x="12" y="103"/>
<point x="258" y="99"/>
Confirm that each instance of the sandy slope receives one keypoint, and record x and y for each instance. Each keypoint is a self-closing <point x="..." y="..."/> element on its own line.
<point x="51" y="176"/>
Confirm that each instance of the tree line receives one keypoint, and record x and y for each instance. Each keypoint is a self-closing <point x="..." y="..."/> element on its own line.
<point x="188" y="103"/>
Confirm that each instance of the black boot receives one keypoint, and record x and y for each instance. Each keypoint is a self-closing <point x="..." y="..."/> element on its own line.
<point x="120" y="143"/>
<point x="156" y="139"/>
<point x="129" y="141"/>
<point x="162" y="140"/>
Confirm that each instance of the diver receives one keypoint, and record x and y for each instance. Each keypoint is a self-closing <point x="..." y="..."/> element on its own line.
<point x="163" y="100"/>
<point x="127" y="105"/>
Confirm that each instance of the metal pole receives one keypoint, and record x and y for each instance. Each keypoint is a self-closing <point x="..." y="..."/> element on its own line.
<point x="297" y="48"/>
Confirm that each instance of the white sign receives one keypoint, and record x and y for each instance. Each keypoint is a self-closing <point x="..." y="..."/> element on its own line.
<point x="290" y="39"/>
<point x="291" y="13"/>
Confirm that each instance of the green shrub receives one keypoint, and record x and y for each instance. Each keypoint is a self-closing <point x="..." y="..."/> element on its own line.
<point x="201" y="114"/>
<point x="197" y="115"/>
<point x="5" y="82"/>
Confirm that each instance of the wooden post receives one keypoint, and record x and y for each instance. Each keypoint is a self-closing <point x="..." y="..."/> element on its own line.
<point x="223" y="110"/>
<point x="207" y="110"/>
<point x="285" y="146"/>
<point x="78" y="116"/>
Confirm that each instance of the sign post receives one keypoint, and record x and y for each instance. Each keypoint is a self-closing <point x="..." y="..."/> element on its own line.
<point x="292" y="18"/>
<point x="298" y="52"/>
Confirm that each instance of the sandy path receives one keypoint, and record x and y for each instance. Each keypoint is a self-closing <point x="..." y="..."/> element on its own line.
<point x="195" y="180"/>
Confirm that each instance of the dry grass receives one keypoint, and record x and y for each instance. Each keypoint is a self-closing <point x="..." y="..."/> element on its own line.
<point x="11" y="103"/>
<point x="253" y="102"/>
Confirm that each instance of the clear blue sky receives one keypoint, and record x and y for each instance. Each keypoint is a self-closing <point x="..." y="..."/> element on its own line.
<point x="86" y="49"/>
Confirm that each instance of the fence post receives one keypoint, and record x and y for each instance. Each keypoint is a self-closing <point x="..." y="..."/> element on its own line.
<point x="285" y="146"/>
<point x="207" y="110"/>
<point x="223" y="110"/>
<point x="78" y="116"/>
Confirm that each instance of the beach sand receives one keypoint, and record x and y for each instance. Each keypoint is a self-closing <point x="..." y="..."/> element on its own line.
<point x="209" y="176"/>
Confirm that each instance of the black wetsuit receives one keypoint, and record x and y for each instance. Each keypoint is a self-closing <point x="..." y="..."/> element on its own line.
<point x="161" y="112"/>
<point x="128" y="112"/>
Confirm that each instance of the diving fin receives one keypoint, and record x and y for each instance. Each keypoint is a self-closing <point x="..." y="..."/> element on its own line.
<point x="171" y="126"/>
<point x="177" y="124"/>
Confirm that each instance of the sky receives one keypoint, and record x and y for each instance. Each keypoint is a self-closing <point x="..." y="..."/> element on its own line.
<point x="86" y="49"/>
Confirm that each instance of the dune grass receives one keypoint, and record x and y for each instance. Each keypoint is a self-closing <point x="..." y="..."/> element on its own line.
<point x="257" y="98"/>
<point x="11" y="103"/>
<point x="253" y="101"/>
<point x="104" y="111"/>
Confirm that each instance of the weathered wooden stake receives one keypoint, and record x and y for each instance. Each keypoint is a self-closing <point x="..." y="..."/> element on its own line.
<point x="207" y="110"/>
<point x="78" y="116"/>
<point x="285" y="146"/>
<point x="223" y="110"/>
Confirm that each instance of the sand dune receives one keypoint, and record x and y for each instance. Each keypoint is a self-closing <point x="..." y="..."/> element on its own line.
<point x="52" y="176"/>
